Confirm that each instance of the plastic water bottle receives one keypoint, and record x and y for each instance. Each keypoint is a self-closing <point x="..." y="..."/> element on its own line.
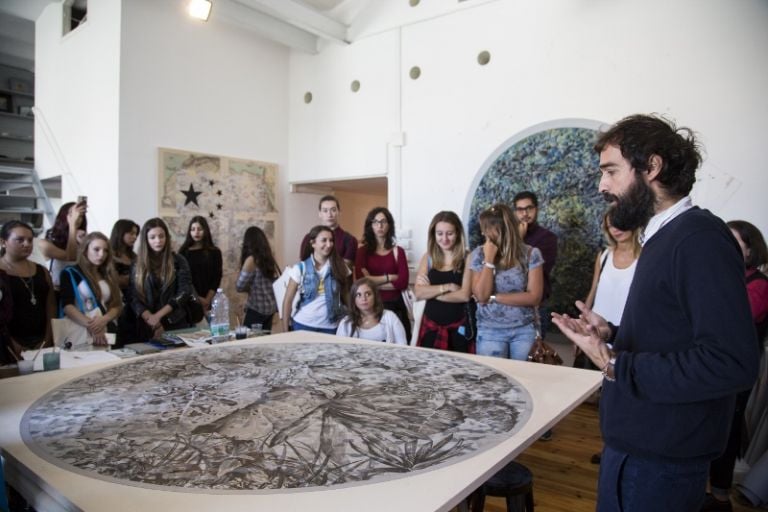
<point x="220" y="317"/>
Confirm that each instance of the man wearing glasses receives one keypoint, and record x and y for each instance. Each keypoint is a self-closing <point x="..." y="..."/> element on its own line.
<point x="527" y="210"/>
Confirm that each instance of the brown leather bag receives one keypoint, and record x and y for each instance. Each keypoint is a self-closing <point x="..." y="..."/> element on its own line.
<point x="543" y="353"/>
<point x="540" y="351"/>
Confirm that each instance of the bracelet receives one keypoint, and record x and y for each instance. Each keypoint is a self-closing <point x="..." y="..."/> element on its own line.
<point x="606" y="374"/>
<point x="387" y="278"/>
<point x="489" y="265"/>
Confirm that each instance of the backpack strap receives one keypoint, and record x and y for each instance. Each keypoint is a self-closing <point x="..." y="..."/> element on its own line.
<point x="603" y="261"/>
<point x="71" y="272"/>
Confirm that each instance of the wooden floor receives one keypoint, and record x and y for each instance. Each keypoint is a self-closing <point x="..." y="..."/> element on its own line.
<point x="564" y="479"/>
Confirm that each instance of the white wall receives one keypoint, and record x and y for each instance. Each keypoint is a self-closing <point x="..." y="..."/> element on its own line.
<point x="550" y="59"/>
<point x="205" y="87"/>
<point x="341" y="133"/>
<point x="77" y="96"/>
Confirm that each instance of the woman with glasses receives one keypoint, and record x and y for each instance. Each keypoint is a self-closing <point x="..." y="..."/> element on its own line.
<point x="380" y="259"/>
<point x="508" y="283"/>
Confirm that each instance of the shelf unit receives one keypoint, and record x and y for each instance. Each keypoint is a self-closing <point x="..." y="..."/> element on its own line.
<point x="16" y="130"/>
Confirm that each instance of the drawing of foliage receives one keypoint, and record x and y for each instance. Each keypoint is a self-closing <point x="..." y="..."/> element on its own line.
<point x="264" y="417"/>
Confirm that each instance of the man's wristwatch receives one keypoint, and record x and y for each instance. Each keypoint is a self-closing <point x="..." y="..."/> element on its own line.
<point x="609" y="370"/>
<point x="492" y="299"/>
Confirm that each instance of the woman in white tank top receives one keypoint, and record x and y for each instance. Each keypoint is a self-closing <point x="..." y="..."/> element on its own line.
<point x="614" y="270"/>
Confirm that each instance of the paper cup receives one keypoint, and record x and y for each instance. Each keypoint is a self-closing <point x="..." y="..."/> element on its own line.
<point x="25" y="366"/>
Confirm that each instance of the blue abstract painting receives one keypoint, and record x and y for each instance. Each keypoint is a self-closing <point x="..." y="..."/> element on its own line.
<point x="561" y="167"/>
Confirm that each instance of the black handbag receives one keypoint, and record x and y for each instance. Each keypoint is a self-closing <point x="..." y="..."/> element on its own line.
<point x="470" y="320"/>
<point x="187" y="311"/>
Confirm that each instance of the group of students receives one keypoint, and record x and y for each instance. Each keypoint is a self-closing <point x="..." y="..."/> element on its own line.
<point x="504" y="276"/>
<point x="104" y="286"/>
<point x="482" y="301"/>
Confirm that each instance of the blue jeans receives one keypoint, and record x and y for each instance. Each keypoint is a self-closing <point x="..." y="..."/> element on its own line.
<point x="631" y="484"/>
<point x="509" y="343"/>
<point x="296" y="326"/>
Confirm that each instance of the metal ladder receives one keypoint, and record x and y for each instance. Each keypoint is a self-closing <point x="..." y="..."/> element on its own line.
<point x="23" y="197"/>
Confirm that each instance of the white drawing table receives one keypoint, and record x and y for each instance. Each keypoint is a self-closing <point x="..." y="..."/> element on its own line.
<point x="553" y="391"/>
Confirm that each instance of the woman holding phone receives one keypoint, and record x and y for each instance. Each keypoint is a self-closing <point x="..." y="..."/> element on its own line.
<point x="60" y="243"/>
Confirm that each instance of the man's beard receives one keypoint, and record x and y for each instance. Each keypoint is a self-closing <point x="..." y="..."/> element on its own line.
<point x="634" y="208"/>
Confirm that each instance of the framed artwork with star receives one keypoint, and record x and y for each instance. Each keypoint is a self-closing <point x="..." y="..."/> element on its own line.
<point x="231" y="193"/>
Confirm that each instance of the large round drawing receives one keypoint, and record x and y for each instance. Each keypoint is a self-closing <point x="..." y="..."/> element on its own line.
<point x="275" y="417"/>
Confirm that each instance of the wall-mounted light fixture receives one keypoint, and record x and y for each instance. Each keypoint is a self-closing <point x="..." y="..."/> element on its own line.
<point x="200" y="9"/>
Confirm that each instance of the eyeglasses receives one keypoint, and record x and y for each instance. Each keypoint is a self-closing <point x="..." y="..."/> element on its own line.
<point x="382" y="222"/>
<point x="525" y="209"/>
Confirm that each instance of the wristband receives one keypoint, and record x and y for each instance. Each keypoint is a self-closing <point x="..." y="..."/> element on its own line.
<point x="610" y="365"/>
<point x="489" y="265"/>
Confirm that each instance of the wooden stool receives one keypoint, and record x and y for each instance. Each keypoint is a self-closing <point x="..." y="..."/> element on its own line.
<point x="514" y="482"/>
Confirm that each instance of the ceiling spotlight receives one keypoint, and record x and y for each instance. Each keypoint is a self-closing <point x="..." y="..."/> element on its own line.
<point x="200" y="9"/>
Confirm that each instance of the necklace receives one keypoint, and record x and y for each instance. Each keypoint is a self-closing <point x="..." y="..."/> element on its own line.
<point x="30" y="287"/>
<point x="369" y="322"/>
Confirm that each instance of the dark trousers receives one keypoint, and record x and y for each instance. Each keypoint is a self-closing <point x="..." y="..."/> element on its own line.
<point x="398" y="307"/>
<point x="254" y="317"/>
<point x="629" y="483"/>
<point x="721" y="469"/>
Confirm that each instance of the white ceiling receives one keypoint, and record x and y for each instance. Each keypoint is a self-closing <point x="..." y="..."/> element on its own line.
<point x="298" y="24"/>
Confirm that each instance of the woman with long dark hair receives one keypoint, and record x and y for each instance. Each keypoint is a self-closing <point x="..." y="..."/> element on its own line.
<point x="30" y="284"/>
<point x="446" y="284"/>
<point x="124" y="234"/>
<point x="90" y="292"/>
<point x="367" y="318"/>
<point x="159" y="277"/>
<point x="508" y="282"/>
<point x="381" y="259"/>
<point x="61" y="240"/>
<point x="320" y="279"/>
<point x="258" y="271"/>
<point x="204" y="260"/>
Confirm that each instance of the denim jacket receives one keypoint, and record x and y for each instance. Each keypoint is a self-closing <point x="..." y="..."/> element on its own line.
<point x="310" y="284"/>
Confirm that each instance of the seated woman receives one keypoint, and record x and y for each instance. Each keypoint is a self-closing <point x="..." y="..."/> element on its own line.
<point x="90" y="292"/>
<point x="125" y="232"/>
<point x="367" y="318"/>
<point x="508" y="282"/>
<point x="445" y="282"/>
<point x="259" y="270"/>
<point x="31" y="289"/>
<point x="60" y="243"/>
<point x="159" y="278"/>
<point x="384" y="262"/>
<point x="320" y="280"/>
<point x="204" y="260"/>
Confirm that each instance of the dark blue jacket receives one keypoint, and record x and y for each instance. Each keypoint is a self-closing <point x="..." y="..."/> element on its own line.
<point x="686" y="345"/>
